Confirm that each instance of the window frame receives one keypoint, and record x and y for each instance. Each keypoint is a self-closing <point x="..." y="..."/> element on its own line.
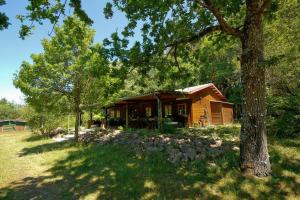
<point x="178" y="110"/>
<point x="148" y="111"/>
<point x="112" y="113"/>
<point x="118" y="113"/>
<point x="167" y="114"/>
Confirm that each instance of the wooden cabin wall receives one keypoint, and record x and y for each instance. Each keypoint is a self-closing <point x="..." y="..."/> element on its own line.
<point x="19" y="128"/>
<point x="200" y="102"/>
<point x="216" y="113"/>
<point x="227" y="111"/>
<point x="196" y="105"/>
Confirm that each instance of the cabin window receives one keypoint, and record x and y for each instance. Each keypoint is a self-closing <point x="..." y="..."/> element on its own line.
<point x="182" y="109"/>
<point x="111" y="113"/>
<point x="148" y="111"/>
<point x="168" y="110"/>
<point x="118" y="114"/>
<point x="133" y="112"/>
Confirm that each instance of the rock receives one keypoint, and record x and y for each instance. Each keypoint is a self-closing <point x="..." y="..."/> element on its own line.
<point x="200" y="156"/>
<point x="184" y="157"/>
<point x="211" y="164"/>
<point x="174" y="155"/>
<point x="217" y="143"/>
<point x="200" y="149"/>
<point x="191" y="153"/>
<point x="214" y="152"/>
<point x="59" y="130"/>
<point x="235" y="148"/>
<point x="152" y="149"/>
<point x="177" y="149"/>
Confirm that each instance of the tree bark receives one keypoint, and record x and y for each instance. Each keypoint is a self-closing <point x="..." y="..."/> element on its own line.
<point x="254" y="153"/>
<point x="77" y="113"/>
<point x="77" y="122"/>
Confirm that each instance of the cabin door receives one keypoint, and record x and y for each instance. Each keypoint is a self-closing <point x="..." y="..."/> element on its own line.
<point x="216" y="113"/>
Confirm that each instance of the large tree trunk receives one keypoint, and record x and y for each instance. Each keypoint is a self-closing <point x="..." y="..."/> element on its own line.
<point x="254" y="152"/>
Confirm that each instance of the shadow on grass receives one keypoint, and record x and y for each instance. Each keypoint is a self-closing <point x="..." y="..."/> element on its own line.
<point x="46" y="148"/>
<point x="35" y="137"/>
<point x="116" y="172"/>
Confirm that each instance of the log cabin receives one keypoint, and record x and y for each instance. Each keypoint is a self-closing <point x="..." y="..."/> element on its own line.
<point x="199" y="106"/>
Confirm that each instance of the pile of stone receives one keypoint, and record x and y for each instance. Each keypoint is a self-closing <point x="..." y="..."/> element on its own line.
<point x="177" y="148"/>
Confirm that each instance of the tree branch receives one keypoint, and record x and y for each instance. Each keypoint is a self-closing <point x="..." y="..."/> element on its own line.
<point x="265" y="4"/>
<point x="175" y="43"/>
<point x="216" y="12"/>
<point x="57" y="18"/>
<point x="175" y="58"/>
<point x="196" y="36"/>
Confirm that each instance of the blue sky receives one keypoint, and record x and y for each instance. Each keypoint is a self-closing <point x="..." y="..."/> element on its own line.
<point x="14" y="50"/>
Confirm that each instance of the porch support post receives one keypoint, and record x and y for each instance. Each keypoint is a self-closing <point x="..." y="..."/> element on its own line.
<point x="106" y="120"/>
<point x="91" y="119"/>
<point x="159" y="113"/>
<point x="127" y="118"/>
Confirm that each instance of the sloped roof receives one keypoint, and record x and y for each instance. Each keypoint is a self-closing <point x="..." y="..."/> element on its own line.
<point x="198" y="88"/>
<point x="176" y="93"/>
<point x="195" y="88"/>
<point x="12" y="120"/>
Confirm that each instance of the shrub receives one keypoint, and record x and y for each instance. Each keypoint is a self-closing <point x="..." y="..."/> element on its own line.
<point x="284" y="116"/>
<point x="167" y="127"/>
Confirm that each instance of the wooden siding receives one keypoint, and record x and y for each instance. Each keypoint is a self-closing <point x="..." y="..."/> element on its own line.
<point x="204" y="108"/>
<point x="201" y="104"/>
<point x="216" y="113"/>
<point x="227" y="111"/>
<point x="19" y="128"/>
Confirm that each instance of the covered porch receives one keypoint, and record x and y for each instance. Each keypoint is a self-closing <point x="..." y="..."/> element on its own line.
<point x="150" y="111"/>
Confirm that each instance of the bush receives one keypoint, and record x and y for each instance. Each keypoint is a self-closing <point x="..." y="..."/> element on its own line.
<point x="44" y="123"/>
<point x="284" y="116"/>
<point x="167" y="127"/>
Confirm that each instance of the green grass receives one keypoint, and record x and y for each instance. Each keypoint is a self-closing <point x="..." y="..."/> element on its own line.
<point x="37" y="168"/>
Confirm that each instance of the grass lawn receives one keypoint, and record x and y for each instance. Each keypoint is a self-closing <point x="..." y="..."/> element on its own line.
<point x="35" y="168"/>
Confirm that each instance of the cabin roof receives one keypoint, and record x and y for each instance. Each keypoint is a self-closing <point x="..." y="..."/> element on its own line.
<point x="12" y="120"/>
<point x="194" y="89"/>
<point x="162" y="94"/>
<point x="198" y="88"/>
<point x="172" y="94"/>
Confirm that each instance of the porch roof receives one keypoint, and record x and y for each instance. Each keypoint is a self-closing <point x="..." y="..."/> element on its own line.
<point x="171" y="94"/>
<point x="161" y="94"/>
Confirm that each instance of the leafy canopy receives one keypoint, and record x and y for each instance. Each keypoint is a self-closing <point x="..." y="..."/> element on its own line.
<point x="4" y="23"/>
<point x="63" y="72"/>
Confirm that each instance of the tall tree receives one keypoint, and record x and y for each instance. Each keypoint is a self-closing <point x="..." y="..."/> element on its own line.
<point x="61" y="75"/>
<point x="173" y="26"/>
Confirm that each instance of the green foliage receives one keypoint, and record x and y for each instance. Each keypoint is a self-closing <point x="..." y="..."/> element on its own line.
<point x="45" y="122"/>
<point x="4" y="23"/>
<point x="167" y="127"/>
<point x="284" y="72"/>
<point x="70" y="75"/>
<point x="41" y="10"/>
<point x="284" y="116"/>
<point x="8" y="110"/>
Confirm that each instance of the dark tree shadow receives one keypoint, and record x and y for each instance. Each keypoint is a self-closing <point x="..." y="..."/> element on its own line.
<point x="46" y="148"/>
<point x="35" y="137"/>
